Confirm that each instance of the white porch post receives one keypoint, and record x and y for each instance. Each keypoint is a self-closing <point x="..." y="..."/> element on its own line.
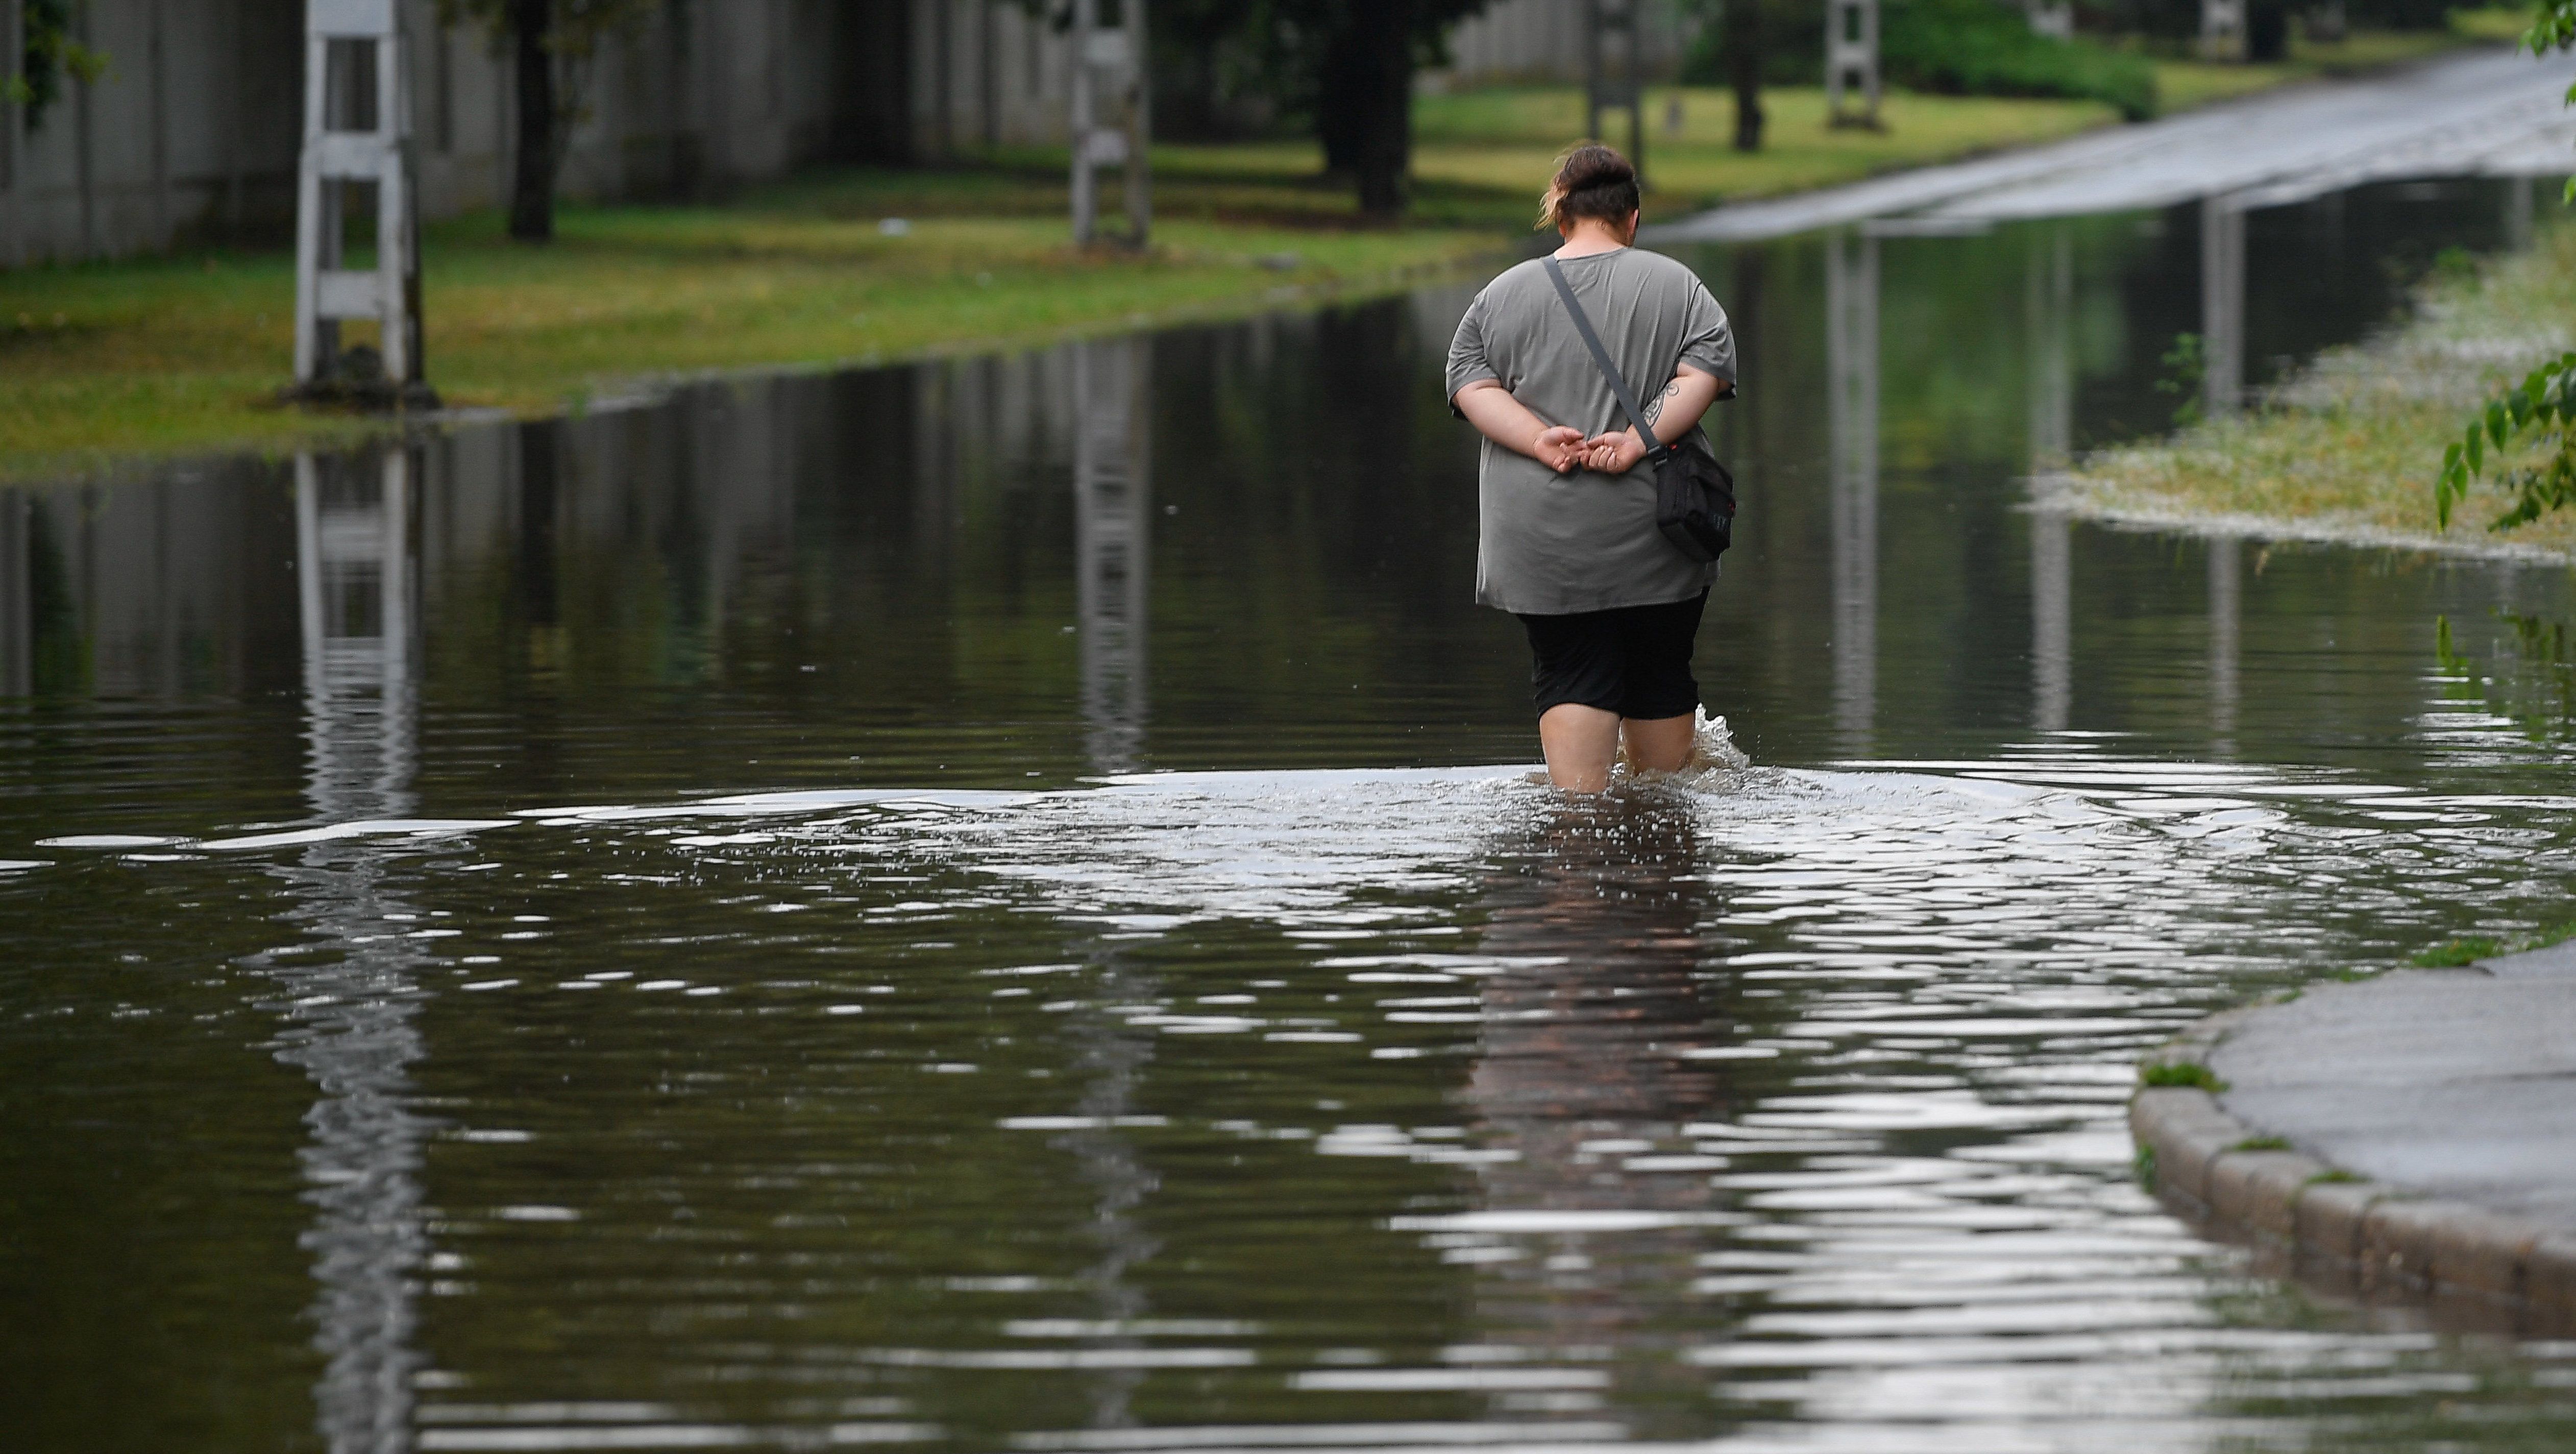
<point x="325" y="292"/>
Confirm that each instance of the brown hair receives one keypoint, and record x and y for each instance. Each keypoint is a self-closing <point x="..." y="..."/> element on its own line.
<point x="1591" y="181"/>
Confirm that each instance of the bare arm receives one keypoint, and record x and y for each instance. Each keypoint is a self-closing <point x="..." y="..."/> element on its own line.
<point x="1508" y="422"/>
<point x="1686" y="398"/>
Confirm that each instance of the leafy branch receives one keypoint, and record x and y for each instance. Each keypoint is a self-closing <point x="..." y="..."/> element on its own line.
<point x="2538" y="410"/>
<point x="51" y="53"/>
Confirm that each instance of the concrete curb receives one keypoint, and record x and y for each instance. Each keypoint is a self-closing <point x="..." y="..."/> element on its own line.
<point x="2472" y="1268"/>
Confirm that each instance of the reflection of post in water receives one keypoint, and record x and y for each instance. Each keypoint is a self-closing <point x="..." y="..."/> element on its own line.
<point x="2222" y="304"/>
<point x="352" y="999"/>
<point x="2052" y="653"/>
<point x="1588" y="1068"/>
<point x="1111" y="1057"/>
<point x="2226" y="591"/>
<point x="17" y="594"/>
<point x="1112" y="500"/>
<point x="354" y="587"/>
<point x="2051" y="308"/>
<point x="1851" y="352"/>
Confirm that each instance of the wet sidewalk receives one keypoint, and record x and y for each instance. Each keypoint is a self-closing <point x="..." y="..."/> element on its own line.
<point x="2479" y="113"/>
<point x="2450" y="1082"/>
<point x="2410" y="1135"/>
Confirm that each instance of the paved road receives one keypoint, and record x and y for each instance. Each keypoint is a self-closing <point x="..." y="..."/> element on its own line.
<point x="2484" y="112"/>
<point x="2452" y="1083"/>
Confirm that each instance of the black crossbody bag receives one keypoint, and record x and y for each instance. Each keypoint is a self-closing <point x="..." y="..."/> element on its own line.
<point x="1694" y="495"/>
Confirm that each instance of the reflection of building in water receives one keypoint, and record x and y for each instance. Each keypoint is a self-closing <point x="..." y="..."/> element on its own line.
<point x="1586" y="1068"/>
<point x="2226" y="590"/>
<point x="1851" y="360"/>
<point x="354" y="998"/>
<point x="1112" y="498"/>
<point x="158" y="590"/>
<point x="2222" y="304"/>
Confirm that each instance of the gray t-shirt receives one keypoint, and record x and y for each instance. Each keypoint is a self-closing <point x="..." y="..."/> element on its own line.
<point x="1551" y="544"/>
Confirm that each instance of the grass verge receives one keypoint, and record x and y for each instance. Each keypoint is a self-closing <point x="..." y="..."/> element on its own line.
<point x="2183" y="84"/>
<point x="2347" y="449"/>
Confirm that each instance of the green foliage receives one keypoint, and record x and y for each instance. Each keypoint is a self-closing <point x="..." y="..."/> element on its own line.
<point x="2143" y="1167"/>
<point x="2535" y="686"/>
<point x="51" y="55"/>
<point x="2455" y="954"/>
<point x="2535" y="412"/>
<point x="2187" y="1074"/>
<point x="1981" y="48"/>
<point x="2185" y="368"/>
<point x="2262" y="1143"/>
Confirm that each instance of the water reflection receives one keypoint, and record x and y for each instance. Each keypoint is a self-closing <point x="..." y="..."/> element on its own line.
<point x="1112" y="515"/>
<point x="1851" y="364"/>
<point x="2222" y="304"/>
<point x="352" y="984"/>
<point x="1111" y="1059"/>
<point x="1357" y="1085"/>
<point x="2052" y="627"/>
<point x="1593" y="1059"/>
<point x="2226" y="610"/>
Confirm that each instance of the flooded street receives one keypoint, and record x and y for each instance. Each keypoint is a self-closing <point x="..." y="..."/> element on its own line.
<point x="1000" y="904"/>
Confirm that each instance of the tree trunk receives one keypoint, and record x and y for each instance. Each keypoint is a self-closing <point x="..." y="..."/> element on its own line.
<point x="1337" y="118"/>
<point x="1364" y="106"/>
<point x="532" y="181"/>
<point x="2267" y="31"/>
<point x="1744" y="70"/>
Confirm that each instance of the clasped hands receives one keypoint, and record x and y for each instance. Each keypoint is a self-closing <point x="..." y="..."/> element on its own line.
<point x="1564" y="449"/>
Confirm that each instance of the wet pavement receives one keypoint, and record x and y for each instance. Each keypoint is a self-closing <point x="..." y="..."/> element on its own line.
<point x="2451" y="1083"/>
<point x="999" y="904"/>
<point x="2487" y="112"/>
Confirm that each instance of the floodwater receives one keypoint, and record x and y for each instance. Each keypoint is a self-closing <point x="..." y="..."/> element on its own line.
<point x="999" y="905"/>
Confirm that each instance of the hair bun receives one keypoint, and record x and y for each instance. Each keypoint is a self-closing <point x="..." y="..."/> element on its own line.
<point x="1592" y="180"/>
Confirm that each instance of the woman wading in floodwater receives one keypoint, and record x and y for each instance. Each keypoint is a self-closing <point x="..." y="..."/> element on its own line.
<point x="1566" y="533"/>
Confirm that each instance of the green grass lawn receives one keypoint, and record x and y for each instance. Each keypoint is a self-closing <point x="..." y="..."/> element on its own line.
<point x="2181" y="84"/>
<point x="185" y="354"/>
<point x="2352" y="444"/>
<point x="1502" y="141"/>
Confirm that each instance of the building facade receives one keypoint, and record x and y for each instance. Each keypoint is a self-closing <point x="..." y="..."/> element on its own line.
<point x="193" y="130"/>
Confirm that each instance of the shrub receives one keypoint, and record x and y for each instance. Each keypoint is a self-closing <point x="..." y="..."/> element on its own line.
<point x="1980" y="48"/>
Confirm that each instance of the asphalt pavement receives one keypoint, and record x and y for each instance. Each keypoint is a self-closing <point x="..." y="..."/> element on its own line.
<point x="2484" y="112"/>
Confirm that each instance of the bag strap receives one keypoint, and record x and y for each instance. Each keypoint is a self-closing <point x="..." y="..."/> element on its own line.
<point x="1656" y="449"/>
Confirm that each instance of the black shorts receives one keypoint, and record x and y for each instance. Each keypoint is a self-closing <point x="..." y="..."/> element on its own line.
<point x="1632" y="660"/>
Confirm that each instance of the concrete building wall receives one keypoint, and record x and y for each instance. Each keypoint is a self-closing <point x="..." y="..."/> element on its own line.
<point x="195" y="128"/>
<point x="989" y="75"/>
<point x="1543" y="40"/>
